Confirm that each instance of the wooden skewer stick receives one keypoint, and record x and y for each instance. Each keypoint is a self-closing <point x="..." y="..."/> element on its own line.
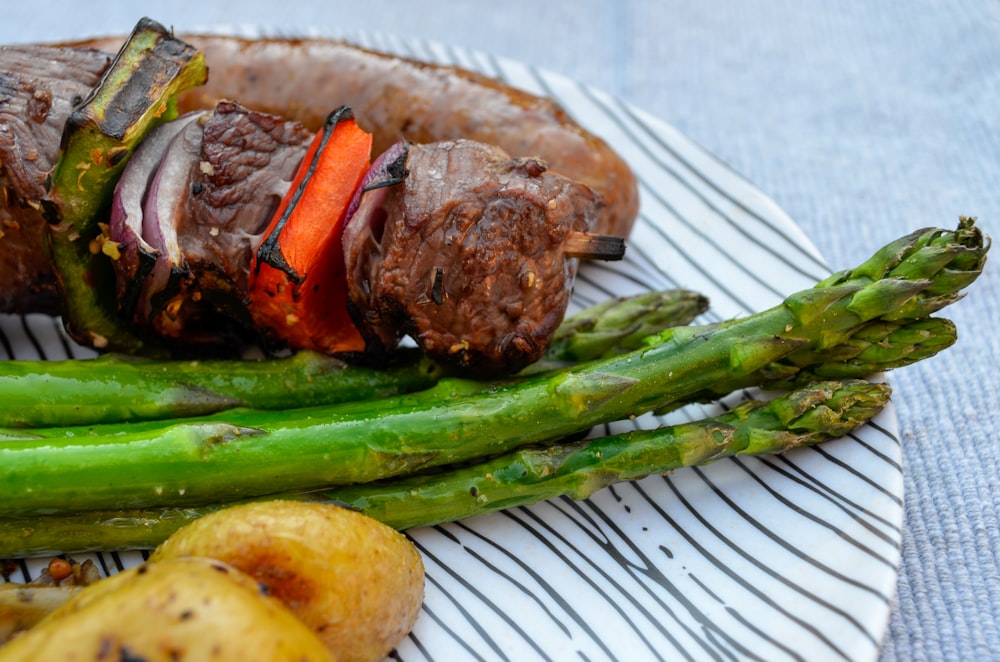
<point x="588" y="246"/>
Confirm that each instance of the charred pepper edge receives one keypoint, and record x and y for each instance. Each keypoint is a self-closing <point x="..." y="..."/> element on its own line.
<point x="269" y="251"/>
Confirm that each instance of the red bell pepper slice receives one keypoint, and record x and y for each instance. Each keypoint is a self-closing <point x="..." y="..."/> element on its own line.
<point x="298" y="290"/>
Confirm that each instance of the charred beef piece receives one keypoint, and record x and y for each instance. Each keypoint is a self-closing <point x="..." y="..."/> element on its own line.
<point x="247" y="162"/>
<point x="470" y="255"/>
<point x="203" y="211"/>
<point x="39" y="86"/>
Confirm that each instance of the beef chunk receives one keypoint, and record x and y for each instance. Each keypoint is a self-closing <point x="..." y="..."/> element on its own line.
<point x="214" y="189"/>
<point x="247" y="162"/>
<point x="467" y="256"/>
<point x="39" y="86"/>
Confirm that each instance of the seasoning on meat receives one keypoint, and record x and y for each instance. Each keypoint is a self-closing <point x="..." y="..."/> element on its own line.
<point x="39" y="85"/>
<point x="212" y="192"/>
<point x="468" y="255"/>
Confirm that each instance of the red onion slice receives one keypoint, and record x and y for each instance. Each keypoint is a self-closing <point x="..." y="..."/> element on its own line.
<point x="168" y="190"/>
<point x="363" y="228"/>
<point x="139" y="250"/>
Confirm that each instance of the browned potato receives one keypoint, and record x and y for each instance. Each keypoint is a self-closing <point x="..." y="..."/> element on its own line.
<point x="22" y="607"/>
<point x="356" y="582"/>
<point x="178" y="609"/>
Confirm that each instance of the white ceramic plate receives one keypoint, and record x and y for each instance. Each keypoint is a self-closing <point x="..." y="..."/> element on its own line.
<point x="789" y="557"/>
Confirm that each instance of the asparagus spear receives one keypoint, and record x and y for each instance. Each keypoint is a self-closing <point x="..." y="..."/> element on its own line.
<point x="875" y="348"/>
<point x="121" y="389"/>
<point x="806" y="416"/>
<point x="620" y="325"/>
<point x="137" y="93"/>
<point x="242" y="454"/>
<point x="117" y="389"/>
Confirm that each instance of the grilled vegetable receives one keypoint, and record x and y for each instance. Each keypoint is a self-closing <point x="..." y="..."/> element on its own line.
<point x="23" y="607"/>
<point x="116" y="389"/>
<point x="877" y="347"/>
<point x="803" y="417"/>
<point x="242" y="454"/>
<point x="183" y="608"/>
<point x="139" y="224"/>
<point x="355" y="582"/>
<point x="298" y="292"/>
<point x="136" y="94"/>
<point x="576" y="469"/>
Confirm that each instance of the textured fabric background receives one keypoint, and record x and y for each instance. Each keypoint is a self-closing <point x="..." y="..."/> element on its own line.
<point x="863" y="120"/>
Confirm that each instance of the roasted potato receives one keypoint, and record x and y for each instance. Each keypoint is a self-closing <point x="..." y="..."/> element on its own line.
<point x="356" y="582"/>
<point x="188" y="608"/>
<point x="22" y="607"/>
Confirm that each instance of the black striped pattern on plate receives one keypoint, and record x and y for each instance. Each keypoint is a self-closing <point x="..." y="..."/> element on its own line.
<point x="788" y="557"/>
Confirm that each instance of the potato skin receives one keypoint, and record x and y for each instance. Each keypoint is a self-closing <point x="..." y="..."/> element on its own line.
<point x="179" y="609"/>
<point x="356" y="582"/>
